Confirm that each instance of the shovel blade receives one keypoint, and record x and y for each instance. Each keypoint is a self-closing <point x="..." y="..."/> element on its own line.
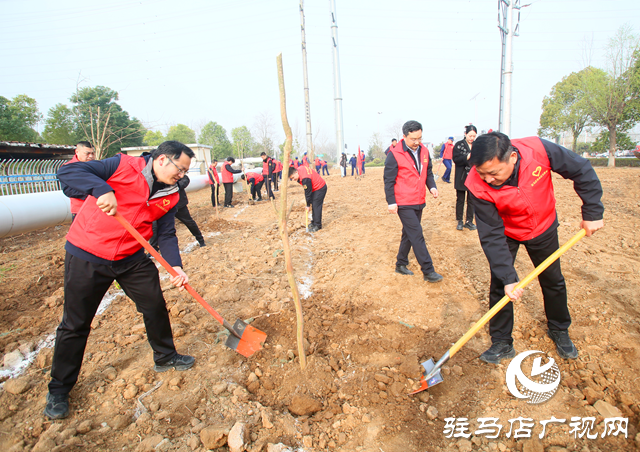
<point x="251" y="339"/>
<point x="424" y="384"/>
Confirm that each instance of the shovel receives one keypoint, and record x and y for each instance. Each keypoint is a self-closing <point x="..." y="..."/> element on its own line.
<point x="431" y="375"/>
<point x="244" y="338"/>
<point x="436" y="176"/>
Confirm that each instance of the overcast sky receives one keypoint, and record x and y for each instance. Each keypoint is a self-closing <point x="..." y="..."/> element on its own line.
<point x="196" y="61"/>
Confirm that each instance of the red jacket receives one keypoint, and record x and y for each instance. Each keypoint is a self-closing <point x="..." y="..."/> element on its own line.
<point x="213" y="171"/>
<point x="101" y="235"/>
<point x="76" y="203"/>
<point x="253" y="175"/>
<point x="317" y="162"/>
<point x="265" y="166"/>
<point x="296" y="164"/>
<point x="227" y="177"/>
<point x="530" y="208"/>
<point x="410" y="188"/>
<point x="448" y="151"/>
<point x="317" y="182"/>
<point x="278" y="166"/>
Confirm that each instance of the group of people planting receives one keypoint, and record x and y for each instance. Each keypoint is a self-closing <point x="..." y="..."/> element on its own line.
<point x="507" y="183"/>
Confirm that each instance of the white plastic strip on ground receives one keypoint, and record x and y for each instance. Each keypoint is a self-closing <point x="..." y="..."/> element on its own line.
<point x="305" y="280"/>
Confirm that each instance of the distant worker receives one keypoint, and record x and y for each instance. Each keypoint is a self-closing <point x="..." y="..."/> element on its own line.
<point x="227" y="180"/>
<point x="268" y="168"/>
<point x="407" y="174"/>
<point x="461" y="155"/>
<point x="315" y="189"/>
<point x="325" y="167"/>
<point x="256" y="180"/>
<point x="343" y="165"/>
<point x="353" y="162"/>
<point x="318" y="164"/>
<point x="84" y="153"/>
<point x="214" y="181"/>
<point x="446" y="152"/>
<point x="296" y="163"/>
<point x="512" y="193"/>
<point x="393" y="144"/>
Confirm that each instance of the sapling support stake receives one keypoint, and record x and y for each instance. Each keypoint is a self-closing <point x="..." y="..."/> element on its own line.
<point x="283" y="217"/>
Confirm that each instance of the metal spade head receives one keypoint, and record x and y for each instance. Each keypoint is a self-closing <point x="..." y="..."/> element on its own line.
<point x="434" y="380"/>
<point x="251" y="339"/>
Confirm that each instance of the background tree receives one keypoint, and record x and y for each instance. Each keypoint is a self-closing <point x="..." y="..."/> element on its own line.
<point x="104" y="122"/>
<point x="263" y="130"/>
<point x="565" y="108"/>
<point x="243" y="142"/>
<point x="603" y="144"/>
<point x="613" y="96"/>
<point x="19" y="118"/>
<point x="214" y="135"/>
<point x="61" y="127"/>
<point x="181" y="133"/>
<point x="152" y="138"/>
<point x="376" y="149"/>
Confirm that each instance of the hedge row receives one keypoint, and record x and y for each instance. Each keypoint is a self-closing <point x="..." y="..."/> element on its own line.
<point x="620" y="163"/>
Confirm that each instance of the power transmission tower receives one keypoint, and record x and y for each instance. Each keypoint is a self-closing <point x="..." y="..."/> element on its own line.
<point x="507" y="31"/>
<point x="307" y="106"/>
<point x="337" y="91"/>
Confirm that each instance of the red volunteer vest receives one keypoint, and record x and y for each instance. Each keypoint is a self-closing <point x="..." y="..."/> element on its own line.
<point x="296" y="164"/>
<point x="278" y="166"/>
<point x="265" y="166"/>
<point x="253" y="175"/>
<point x="102" y="235"/>
<point x="530" y="208"/>
<point x="410" y="188"/>
<point x="75" y="202"/>
<point x="227" y="177"/>
<point x="214" y="171"/>
<point x="317" y="182"/>
<point x="317" y="161"/>
<point x="448" y="151"/>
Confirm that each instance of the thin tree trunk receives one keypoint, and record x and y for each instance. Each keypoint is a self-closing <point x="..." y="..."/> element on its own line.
<point x="282" y="221"/>
<point x="612" y="147"/>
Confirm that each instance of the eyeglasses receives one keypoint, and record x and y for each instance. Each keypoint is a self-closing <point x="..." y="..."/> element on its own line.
<point x="181" y="171"/>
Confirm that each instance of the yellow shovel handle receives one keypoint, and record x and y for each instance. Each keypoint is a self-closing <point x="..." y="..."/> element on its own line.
<point x="501" y="304"/>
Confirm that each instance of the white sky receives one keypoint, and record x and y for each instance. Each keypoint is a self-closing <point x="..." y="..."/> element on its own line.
<point x="196" y="61"/>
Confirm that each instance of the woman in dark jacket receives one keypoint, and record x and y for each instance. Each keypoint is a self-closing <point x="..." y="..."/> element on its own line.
<point x="461" y="154"/>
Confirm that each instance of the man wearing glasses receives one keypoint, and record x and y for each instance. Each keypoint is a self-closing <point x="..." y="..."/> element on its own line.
<point x="99" y="250"/>
<point x="407" y="173"/>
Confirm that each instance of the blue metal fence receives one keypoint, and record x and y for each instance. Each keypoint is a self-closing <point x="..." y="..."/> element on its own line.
<point x="19" y="176"/>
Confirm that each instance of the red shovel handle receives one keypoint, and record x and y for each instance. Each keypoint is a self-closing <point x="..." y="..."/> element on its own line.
<point x="171" y="270"/>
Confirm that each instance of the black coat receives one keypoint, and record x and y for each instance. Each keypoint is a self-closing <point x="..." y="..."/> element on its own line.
<point x="460" y="152"/>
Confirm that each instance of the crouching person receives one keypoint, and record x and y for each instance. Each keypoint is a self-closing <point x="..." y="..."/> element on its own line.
<point x="315" y="189"/>
<point x="99" y="250"/>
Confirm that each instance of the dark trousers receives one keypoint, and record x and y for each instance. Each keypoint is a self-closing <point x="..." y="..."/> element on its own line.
<point x="554" y="289"/>
<point x="215" y="195"/>
<point x="325" y="168"/>
<point x="412" y="237"/>
<point x="460" y="194"/>
<point x="84" y="286"/>
<point x="228" y="193"/>
<point x="317" y="200"/>
<point x="353" y="168"/>
<point x="362" y="167"/>
<point x="256" y="189"/>
<point x="275" y="181"/>
<point x="267" y="182"/>
<point x="447" y="173"/>
<point x="184" y="215"/>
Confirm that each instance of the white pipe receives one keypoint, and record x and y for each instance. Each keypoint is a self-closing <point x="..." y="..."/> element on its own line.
<point x="25" y="213"/>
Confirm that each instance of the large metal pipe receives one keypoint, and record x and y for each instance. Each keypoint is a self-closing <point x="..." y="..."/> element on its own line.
<point x="26" y="213"/>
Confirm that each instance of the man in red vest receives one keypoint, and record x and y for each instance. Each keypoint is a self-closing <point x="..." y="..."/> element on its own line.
<point x="99" y="250"/>
<point x="315" y="189"/>
<point x="84" y="153"/>
<point x="268" y="169"/>
<point x="446" y="152"/>
<point x="214" y="181"/>
<point x="407" y="174"/>
<point x="512" y="193"/>
<point x="227" y="180"/>
<point x="256" y="180"/>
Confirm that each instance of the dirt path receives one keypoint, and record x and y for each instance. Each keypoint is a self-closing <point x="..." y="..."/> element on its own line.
<point x="367" y="327"/>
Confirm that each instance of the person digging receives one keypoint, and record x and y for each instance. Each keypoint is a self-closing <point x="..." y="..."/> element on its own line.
<point x="315" y="189"/>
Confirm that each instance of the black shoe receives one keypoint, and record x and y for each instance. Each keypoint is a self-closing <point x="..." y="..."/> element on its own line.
<point x="259" y="199"/>
<point x="201" y="243"/>
<point x="231" y="205"/>
<point x="470" y="226"/>
<point x="564" y="346"/>
<point x="313" y="228"/>
<point x="57" y="406"/>
<point x="497" y="352"/>
<point x="433" y="277"/>
<point x="403" y="270"/>
<point x="460" y="225"/>
<point x="178" y="362"/>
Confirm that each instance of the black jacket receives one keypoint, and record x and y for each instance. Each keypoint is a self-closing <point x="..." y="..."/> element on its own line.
<point x="460" y="152"/>
<point x="182" y="184"/>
